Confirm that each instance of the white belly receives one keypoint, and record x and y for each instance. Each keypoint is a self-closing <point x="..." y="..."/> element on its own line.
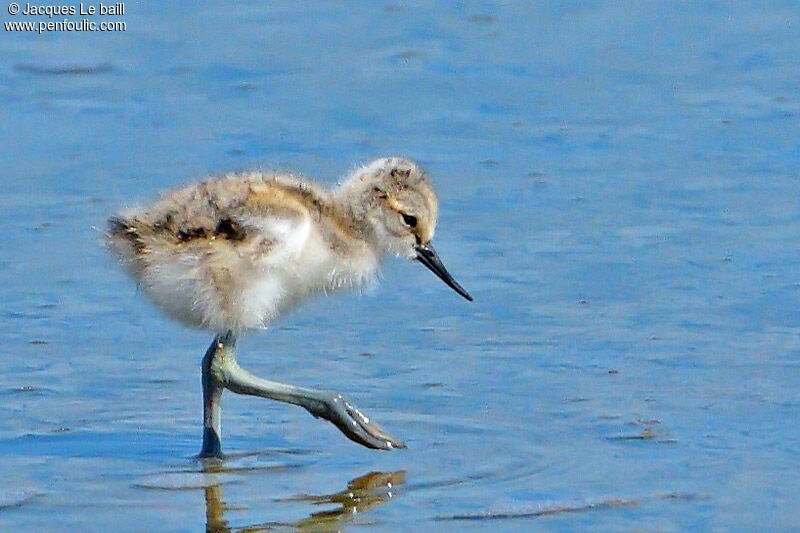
<point x="304" y="266"/>
<point x="227" y="287"/>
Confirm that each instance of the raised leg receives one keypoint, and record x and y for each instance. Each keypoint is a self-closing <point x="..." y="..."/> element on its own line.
<point x="221" y="371"/>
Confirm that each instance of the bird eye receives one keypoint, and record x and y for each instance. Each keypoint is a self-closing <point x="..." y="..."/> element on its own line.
<point x="410" y="220"/>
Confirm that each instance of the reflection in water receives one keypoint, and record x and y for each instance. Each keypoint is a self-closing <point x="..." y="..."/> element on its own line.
<point x="215" y="510"/>
<point x="362" y="493"/>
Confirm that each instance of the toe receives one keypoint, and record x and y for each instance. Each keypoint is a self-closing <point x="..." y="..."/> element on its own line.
<point x="373" y="435"/>
<point x="358" y="427"/>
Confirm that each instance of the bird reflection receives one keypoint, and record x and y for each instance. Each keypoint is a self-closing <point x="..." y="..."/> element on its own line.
<point x="215" y="511"/>
<point x="362" y="494"/>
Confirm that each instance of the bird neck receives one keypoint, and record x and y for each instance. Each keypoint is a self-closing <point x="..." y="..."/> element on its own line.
<point x="354" y="199"/>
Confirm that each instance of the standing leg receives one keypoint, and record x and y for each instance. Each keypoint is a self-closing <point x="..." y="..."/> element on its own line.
<point x="213" y="385"/>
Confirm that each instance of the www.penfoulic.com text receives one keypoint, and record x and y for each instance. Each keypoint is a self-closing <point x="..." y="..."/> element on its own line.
<point x="105" y="17"/>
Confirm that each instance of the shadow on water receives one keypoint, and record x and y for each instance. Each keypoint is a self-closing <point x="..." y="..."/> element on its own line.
<point x="361" y="494"/>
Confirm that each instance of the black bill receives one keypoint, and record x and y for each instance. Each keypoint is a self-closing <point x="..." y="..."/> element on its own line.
<point x="428" y="257"/>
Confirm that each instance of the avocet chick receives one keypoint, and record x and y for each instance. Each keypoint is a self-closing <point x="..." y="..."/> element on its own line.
<point x="236" y="251"/>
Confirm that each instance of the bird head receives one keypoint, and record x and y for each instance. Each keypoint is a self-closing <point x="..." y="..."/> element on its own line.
<point x="398" y="204"/>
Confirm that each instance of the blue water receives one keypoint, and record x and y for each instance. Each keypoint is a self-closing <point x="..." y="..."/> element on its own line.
<point x="619" y="191"/>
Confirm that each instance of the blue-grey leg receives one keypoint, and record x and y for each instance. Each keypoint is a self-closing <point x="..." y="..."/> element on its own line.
<point x="222" y="346"/>
<point x="221" y="371"/>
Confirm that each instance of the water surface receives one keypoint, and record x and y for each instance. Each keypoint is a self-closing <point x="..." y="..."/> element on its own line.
<point x="619" y="192"/>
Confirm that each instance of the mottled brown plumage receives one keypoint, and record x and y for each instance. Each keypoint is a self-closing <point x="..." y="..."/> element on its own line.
<point x="234" y="251"/>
